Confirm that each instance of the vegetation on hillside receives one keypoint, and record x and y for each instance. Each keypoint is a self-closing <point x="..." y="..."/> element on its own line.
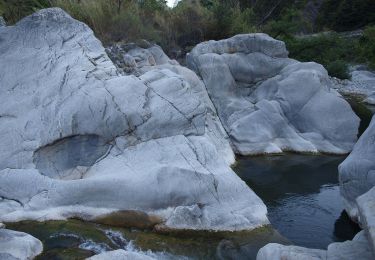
<point x="177" y="30"/>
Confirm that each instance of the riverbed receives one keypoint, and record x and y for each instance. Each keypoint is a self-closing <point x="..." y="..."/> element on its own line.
<point x="301" y="193"/>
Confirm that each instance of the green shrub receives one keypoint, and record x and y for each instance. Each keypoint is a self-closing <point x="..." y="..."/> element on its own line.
<point x="242" y="21"/>
<point x="366" y="47"/>
<point x="330" y="50"/>
<point x="338" y="69"/>
<point x="14" y="10"/>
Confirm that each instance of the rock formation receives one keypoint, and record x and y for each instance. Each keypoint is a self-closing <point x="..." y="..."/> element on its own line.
<point x="79" y="139"/>
<point x="357" y="172"/>
<point x="18" y="245"/>
<point x="358" y="248"/>
<point x="269" y="103"/>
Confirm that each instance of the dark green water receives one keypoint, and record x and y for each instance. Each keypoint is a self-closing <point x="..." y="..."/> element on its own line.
<point x="77" y="240"/>
<point x="302" y="196"/>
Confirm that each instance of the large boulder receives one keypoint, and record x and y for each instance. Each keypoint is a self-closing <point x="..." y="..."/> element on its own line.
<point x="80" y="139"/>
<point x="357" y="172"/>
<point x="269" y="103"/>
<point x="18" y="245"/>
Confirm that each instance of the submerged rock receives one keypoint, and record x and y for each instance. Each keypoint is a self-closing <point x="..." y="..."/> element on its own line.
<point x="357" y="172"/>
<point x="120" y="255"/>
<point x="269" y="103"/>
<point x="80" y="139"/>
<point x="18" y="245"/>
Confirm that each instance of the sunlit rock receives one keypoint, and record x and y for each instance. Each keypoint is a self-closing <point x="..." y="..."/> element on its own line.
<point x="18" y="245"/>
<point x="79" y="138"/>
<point x="269" y="103"/>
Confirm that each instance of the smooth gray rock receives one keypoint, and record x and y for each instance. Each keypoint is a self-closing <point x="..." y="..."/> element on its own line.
<point x="120" y="255"/>
<point x="279" y="252"/>
<point x="366" y="208"/>
<point x="269" y="103"/>
<point x="358" y="248"/>
<point x="18" y="245"/>
<point x="357" y="172"/>
<point x="78" y="138"/>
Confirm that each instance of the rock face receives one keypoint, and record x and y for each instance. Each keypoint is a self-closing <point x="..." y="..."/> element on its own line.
<point x="366" y="208"/>
<point x="280" y="252"/>
<point x="357" y="172"/>
<point x="79" y="139"/>
<point x="269" y="103"/>
<point x="358" y="248"/>
<point x="17" y="245"/>
<point x="362" y="82"/>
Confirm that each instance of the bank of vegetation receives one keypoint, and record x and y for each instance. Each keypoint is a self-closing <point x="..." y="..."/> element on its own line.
<point x="177" y="30"/>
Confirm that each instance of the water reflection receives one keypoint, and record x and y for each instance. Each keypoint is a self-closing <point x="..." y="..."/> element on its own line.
<point x="302" y="196"/>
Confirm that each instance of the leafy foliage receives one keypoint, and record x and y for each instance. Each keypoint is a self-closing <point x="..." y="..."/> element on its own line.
<point x="366" y="47"/>
<point x="194" y="21"/>
<point x="345" y="15"/>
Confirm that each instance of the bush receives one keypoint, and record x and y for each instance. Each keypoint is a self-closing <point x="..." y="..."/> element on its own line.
<point x="14" y="10"/>
<point x="242" y="21"/>
<point x="338" y="69"/>
<point x="366" y="47"/>
<point x="114" y="21"/>
<point x="330" y="50"/>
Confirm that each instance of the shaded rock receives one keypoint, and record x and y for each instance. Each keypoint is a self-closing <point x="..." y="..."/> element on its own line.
<point x="280" y="252"/>
<point x="358" y="248"/>
<point x="87" y="140"/>
<point x="269" y="103"/>
<point x="357" y="172"/>
<point x="18" y="245"/>
<point x="366" y="205"/>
